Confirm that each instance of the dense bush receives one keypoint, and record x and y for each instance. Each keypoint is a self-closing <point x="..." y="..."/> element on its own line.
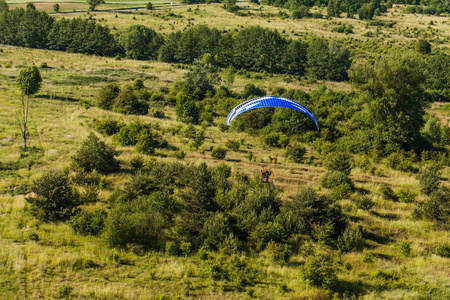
<point x="436" y="208"/>
<point x="186" y="110"/>
<point x="219" y="152"/>
<point x="332" y="179"/>
<point x="429" y="178"/>
<point x="338" y="161"/>
<point x="387" y="192"/>
<point x="134" y="222"/>
<point x="106" y="126"/>
<point x="364" y="202"/>
<point x="406" y="195"/>
<point x="351" y="240"/>
<point x="232" y="145"/>
<point x="320" y="270"/>
<point x="107" y="95"/>
<point x="88" y="222"/>
<point x="296" y="152"/>
<point x="54" y="198"/>
<point x="404" y="248"/>
<point x="276" y="139"/>
<point x="308" y="208"/>
<point x="127" y="102"/>
<point x="443" y="249"/>
<point x="94" y="154"/>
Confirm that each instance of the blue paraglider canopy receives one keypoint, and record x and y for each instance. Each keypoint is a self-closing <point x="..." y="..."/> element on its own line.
<point x="269" y="101"/>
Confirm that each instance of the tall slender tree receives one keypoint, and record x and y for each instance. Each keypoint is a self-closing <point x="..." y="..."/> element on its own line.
<point x="29" y="81"/>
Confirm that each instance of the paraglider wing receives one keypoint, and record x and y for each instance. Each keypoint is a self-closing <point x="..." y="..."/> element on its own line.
<point x="269" y="101"/>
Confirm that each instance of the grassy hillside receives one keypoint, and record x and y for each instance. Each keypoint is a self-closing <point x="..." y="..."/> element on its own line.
<point x="49" y="260"/>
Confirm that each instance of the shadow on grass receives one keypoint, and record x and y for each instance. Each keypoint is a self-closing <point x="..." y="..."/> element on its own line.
<point x="380" y="239"/>
<point x="349" y="289"/>
<point x="386" y="216"/>
<point x="54" y="97"/>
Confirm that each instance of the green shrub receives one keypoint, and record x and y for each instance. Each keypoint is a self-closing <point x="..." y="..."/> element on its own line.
<point x="429" y="178"/>
<point x="219" y="152"/>
<point x="107" y="95"/>
<point x="278" y="252"/>
<point x="307" y="208"/>
<point x="341" y="191"/>
<point x="276" y="139"/>
<point x="332" y="179"/>
<point x="171" y="248"/>
<point x="134" y="222"/>
<point x="216" y="229"/>
<point x="400" y="161"/>
<point x="230" y="245"/>
<point x="338" y="161"/>
<point x="89" y="194"/>
<point x="368" y="257"/>
<point x="87" y="178"/>
<point x="54" y="198"/>
<point x="149" y="6"/>
<point x="95" y="155"/>
<point x="88" y="222"/>
<point x="65" y="292"/>
<point x="137" y="163"/>
<point x="320" y="270"/>
<point x="147" y="142"/>
<point x="185" y="248"/>
<point x="364" y="202"/>
<point x="405" y="195"/>
<point x="296" y="152"/>
<point x="129" y="135"/>
<point x="443" y="249"/>
<point x="127" y="102"/>
<point x="351" y="240"/>
<point x="436" y="208"/>
<point x="404" y="248"/>
<point x="232" y="145"/>
<point x="179" y="154"/>
<point x="263" y="233"/>
<point x="106" y="126"/>
<point x="33" y="236"/>
<point x="387" y="192"/>
<point x="223" y="127"/>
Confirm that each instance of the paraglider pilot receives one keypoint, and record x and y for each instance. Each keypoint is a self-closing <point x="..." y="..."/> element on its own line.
<point x="265" y="176"/>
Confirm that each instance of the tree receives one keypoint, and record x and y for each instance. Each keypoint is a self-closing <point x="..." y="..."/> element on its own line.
<point x="432" y="130"/>
<point x="333" y="9"/>
<point x="108" y="93"/>
<point x="149" y="6"/>
<point x="29" y="82"/>
<point x="186" y="110"/>
<point x="3" y="6"/>
<point x="423" y="46"/>
<point x="202" y="75"/>
<point x="94" y="3"/>
<point x="230" y="74"/>
<point x="94" y="154"/>
<point x="31" y="6"/>
<point x="56" y="7"/>
<point x="394" y="93"/>
<point x="54" y="197"/>
<point x="140" y="42"/>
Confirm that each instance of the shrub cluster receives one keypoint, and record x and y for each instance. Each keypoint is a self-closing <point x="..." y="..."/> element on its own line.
<point x="94" y="154"/>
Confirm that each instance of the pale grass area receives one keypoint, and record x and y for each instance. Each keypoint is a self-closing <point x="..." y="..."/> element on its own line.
<point x="60" y="125"/>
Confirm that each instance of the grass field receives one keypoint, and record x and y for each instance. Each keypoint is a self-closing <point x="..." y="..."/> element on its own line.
<point x="62" y="264"/>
